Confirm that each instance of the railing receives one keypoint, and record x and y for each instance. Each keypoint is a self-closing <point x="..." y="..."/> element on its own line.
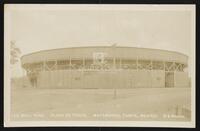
<point x="138" y="66"/>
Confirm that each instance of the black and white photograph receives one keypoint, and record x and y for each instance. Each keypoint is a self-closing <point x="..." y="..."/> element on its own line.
<point x="99" y="65"/>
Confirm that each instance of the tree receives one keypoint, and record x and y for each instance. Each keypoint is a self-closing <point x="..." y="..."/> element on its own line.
<point x="14" y="53"/>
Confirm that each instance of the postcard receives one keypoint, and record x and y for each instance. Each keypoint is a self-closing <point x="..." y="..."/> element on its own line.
<point x="99" y="65"/>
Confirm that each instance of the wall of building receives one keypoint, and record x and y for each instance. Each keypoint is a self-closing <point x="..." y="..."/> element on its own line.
<point x="20" y="82"/>
<point x="101" y="79"/>
<point x="158" y="78"/>
<point x="181" y="79"/>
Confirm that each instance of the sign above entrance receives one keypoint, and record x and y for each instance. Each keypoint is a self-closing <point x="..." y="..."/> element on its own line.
<point x="98" y="57"/>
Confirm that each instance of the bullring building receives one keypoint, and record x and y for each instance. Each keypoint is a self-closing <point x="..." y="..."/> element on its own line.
<point x="106" y="67"/>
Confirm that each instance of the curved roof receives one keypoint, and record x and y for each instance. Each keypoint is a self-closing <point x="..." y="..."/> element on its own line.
<point x="110" y="51"/>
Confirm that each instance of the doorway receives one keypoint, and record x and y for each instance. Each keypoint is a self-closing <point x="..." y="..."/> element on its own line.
<point x="169" y="79"/>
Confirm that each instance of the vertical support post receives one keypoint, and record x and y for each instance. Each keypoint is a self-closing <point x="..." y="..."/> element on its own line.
<point x="174" y="66"/>
<point x="56" y="64"/>
<point x="150" y="72"/>
<point x="114" y="62"/>
<point x="43" y="66"/>
<point x="120" y="63"/>
<point x="164" y="74"/>
<point x="174" y="77"/>
<point x="137" y="62"/>
<point x="70" y="63"/>
<point x="114" y="56"/>
<point x="181" y="67"/>
<point x="173" y="71"/>
<point x="83" y="62"/>
<point x="164" y="65"/>
<point x="70" y="67"/>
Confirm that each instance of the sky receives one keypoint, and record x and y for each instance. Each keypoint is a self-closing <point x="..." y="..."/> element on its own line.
<point x="42" y="27"/>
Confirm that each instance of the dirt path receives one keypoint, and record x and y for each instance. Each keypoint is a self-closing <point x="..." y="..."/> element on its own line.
<point x="98" y="104"/>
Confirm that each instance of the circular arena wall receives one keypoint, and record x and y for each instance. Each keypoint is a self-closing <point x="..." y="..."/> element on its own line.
<point x="119" y="52"/>
<point x="106" y="67"/>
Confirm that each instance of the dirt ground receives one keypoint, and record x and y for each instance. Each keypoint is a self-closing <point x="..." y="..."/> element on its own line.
<point x="158" y="104"/>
